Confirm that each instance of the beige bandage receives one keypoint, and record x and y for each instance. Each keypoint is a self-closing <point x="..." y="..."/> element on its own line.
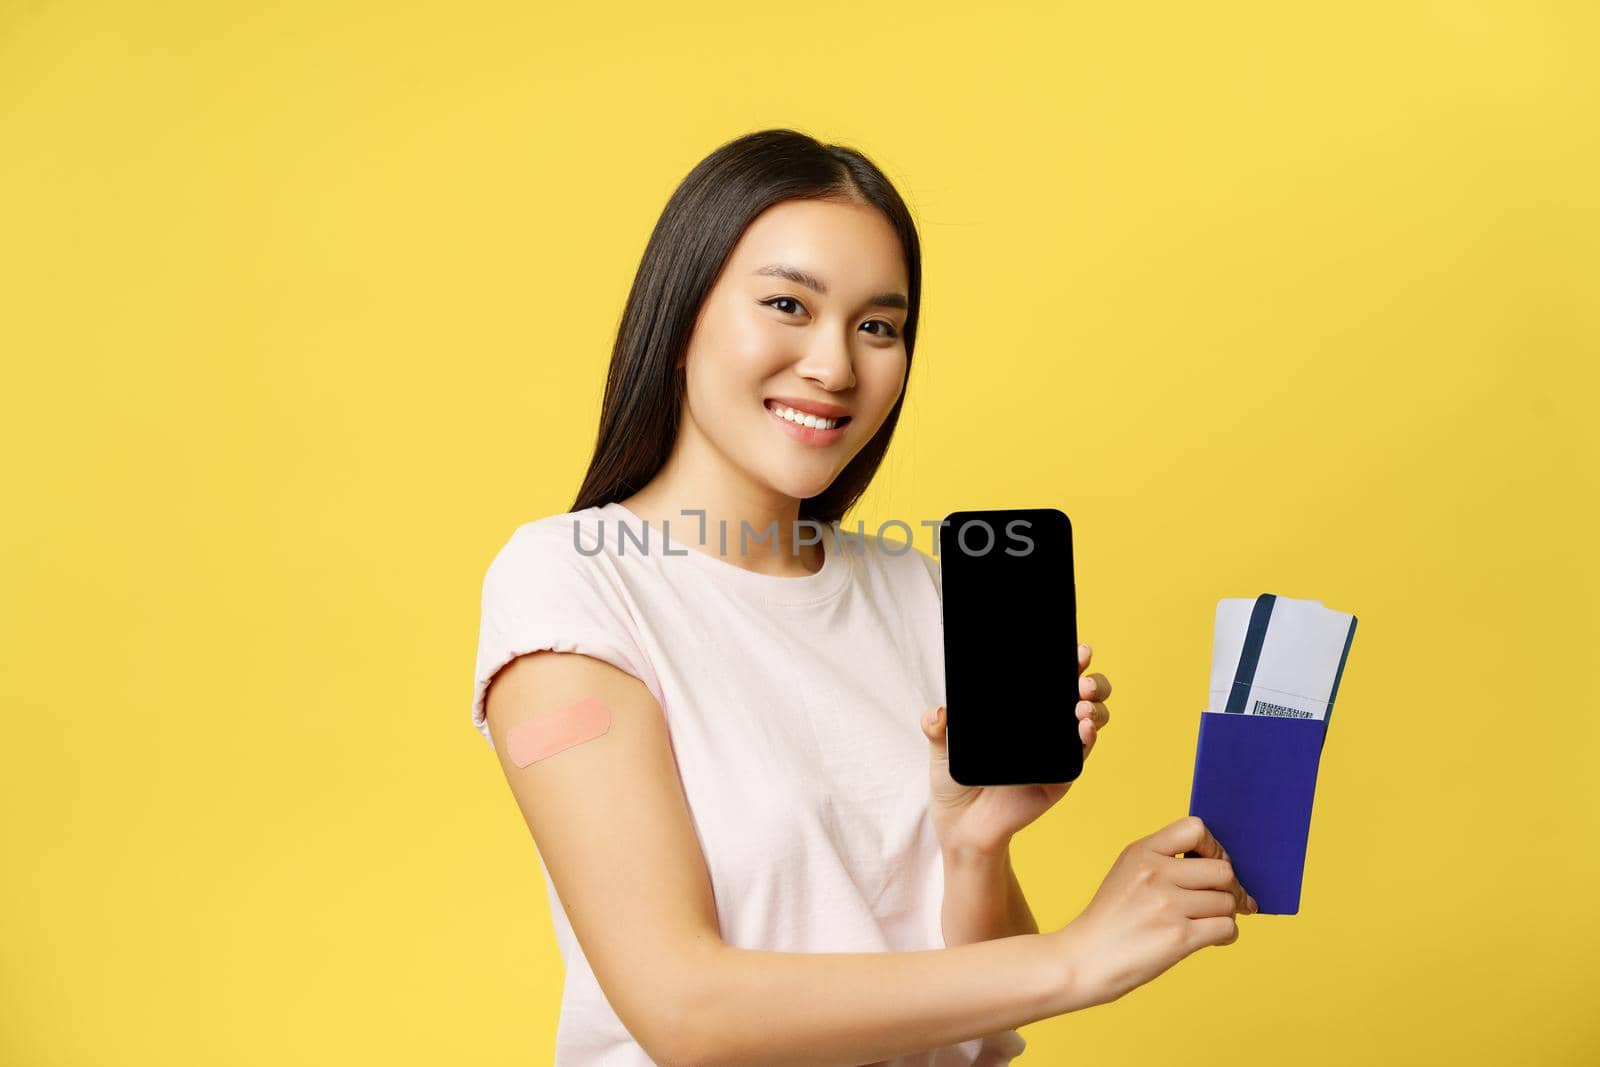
<point x="534" y="739"/>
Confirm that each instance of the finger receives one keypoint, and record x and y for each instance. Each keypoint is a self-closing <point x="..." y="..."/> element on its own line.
<point x="1098" y="713"/>
<point x="1203" y="874"/>
<point x="1086" y="734"/>
<point x="1094" y="686"/>
<point x="1187" y="834"/>
<point x="1214" y="874"/>
<point x="1084" y="652"/>
<point x="1205" y="903"/>
<point x="1247" y="903"/>
<point x="1224" y="856"/>
<point x="1217" y="930"/>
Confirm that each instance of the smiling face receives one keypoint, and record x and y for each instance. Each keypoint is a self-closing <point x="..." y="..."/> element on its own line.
<point x="808" y="313"/>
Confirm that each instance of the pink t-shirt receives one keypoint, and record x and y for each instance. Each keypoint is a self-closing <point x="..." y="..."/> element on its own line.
<point x="792" y="705"/>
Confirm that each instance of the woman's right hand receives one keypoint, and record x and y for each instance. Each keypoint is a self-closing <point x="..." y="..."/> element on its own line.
<point x="1153" y="909"/>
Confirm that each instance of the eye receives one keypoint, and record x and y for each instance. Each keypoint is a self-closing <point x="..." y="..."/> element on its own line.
<point x="889" y="331"/>
<point x="780" y="300"/>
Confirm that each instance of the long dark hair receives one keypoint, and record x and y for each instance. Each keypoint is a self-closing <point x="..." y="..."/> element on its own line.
<point x="704" y="218"/>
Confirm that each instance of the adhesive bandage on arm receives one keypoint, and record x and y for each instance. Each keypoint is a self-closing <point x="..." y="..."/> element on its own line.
<point x="535" y="739"/>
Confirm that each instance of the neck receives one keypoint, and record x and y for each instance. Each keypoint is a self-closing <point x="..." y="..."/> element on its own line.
<point x="680" y="491"/>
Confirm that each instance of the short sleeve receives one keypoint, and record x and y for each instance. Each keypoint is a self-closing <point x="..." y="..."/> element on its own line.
<point x="935" y="572"/>
<point x="540" y="592"/>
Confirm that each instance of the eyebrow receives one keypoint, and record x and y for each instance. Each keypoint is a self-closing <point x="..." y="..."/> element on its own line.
<point x="812" y="282"/>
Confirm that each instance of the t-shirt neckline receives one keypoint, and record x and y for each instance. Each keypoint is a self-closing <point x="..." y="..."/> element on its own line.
<point x="826" y="582"/>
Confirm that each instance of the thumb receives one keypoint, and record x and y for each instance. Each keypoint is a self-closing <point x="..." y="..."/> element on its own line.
<point x="933" y="728"/>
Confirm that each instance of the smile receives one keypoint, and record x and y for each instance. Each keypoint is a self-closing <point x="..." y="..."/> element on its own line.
<point x="811" y="429"/>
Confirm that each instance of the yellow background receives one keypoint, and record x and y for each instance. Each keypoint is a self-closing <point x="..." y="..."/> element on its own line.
<point x="304" y="307"/>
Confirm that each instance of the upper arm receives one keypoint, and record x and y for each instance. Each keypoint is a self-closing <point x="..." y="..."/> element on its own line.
<point x="611" y="823"/>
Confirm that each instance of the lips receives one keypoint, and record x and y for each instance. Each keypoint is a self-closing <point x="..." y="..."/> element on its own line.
<point x="810" y="435"/>
<point x="820" y="408"/>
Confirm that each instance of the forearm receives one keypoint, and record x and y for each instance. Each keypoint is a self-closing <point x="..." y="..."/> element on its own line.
<point x="983" y="899"/>
<point x="786" y="1009"/>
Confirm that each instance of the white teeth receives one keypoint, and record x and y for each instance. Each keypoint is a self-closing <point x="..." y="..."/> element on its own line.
<point x="804" y="420"/>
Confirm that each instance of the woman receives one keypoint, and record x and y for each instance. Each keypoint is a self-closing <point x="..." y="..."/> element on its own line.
<point x="703" y="688"/>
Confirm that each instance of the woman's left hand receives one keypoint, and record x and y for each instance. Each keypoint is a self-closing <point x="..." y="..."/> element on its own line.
<point x="982" y="819"/>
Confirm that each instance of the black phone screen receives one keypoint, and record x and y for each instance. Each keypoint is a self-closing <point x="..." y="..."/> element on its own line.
<point x="1010" y="647"/>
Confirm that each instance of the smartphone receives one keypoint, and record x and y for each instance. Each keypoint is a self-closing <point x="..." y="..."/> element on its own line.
<point x="1010" y="647"/>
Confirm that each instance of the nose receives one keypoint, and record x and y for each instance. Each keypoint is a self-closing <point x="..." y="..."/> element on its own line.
<point x="828" y="362"/>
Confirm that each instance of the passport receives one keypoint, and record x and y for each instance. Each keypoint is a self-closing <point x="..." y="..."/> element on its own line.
<point x="1276" y="663"/>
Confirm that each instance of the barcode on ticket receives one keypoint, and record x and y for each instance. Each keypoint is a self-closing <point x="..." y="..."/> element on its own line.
<point x="1264" y="708"/>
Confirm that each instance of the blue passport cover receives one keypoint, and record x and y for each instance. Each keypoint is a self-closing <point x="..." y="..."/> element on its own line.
<point x="1254" y="779"/>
